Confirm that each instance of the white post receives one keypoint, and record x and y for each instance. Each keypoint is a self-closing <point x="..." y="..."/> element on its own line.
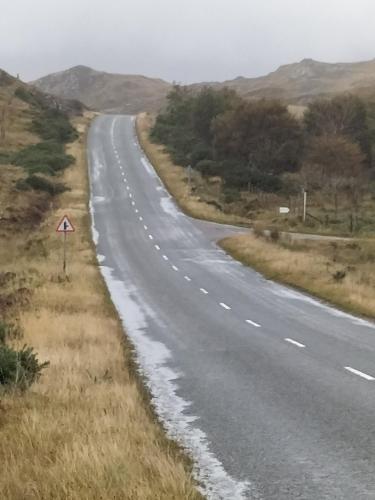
<point x="304" y="204"/>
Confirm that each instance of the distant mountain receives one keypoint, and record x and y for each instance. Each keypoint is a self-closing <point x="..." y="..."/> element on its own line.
<point x="107" y="92"/>
<point x="298" y="83"/>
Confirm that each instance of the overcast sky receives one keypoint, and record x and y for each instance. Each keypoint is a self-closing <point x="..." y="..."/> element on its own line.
<point x="182" y="40"/>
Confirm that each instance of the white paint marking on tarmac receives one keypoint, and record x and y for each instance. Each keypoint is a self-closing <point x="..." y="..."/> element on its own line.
<point x="360" y="374"/>
<point x="141" y="219"/>
<point x="294" y="342"/>
<point x="165" y="257"/>
<point x="130" y="195"/>
<point x="157" y="247"/>
<point x="150" y="236"/>
<point x="175" y="268"/>
<point x="136" y="210"/>
<point x="133" y="203"/>
<point x="127" y="187"/>
<point x="252" y="323"/>
<point x="145" y="227"/>
<point x="224" y="306"/>
<point x="187" y="278"/>
<point x="203" y="291"/>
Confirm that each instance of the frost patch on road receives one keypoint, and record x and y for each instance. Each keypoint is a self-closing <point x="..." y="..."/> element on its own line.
<point x="291" y="294"/>
<point x="94" y="232"/>
<point x="149" y="168"/>
<point x="161" y="380"/>
<point x="169" y="207"/>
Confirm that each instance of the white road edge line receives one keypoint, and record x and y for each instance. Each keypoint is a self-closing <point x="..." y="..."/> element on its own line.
<point x="360" y="374"/>
<point x="224" y="306"/>
<point x="175" y="268"/>
<point x="187" y="278"/>
<point x="203" y="291"/>
<point x="294" y="342"/>
<point x="252" y="323"/>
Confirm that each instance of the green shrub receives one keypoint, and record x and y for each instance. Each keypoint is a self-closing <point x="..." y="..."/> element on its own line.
<point x="19" y="369"/>
<point x="5" y="157"/>
<point x="54" y="125"/>
<point x="41" y="184"/>
<point x="45" y="157"/>
<point x="27" y="96"/>
<point x="3" y="332"/>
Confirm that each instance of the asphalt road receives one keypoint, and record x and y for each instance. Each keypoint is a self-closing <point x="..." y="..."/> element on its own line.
<point x="281" y="386"/>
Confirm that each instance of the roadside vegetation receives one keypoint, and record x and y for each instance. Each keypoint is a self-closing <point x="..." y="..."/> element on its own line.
<point x="75" y="419"/>
<point x="338" y="271"/>
<point x="254" y="156"/>
<point x="249" y="158"/>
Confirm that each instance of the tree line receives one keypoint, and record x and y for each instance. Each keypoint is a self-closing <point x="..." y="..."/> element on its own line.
<point x="253" y="144"/>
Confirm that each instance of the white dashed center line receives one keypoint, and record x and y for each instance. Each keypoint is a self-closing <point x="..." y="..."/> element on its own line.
<point x="224" y="306"/>
<point x="157" y="247"/>
<point x="175" y="268"/>
<point x="145" y="227"/>
<point x="141" y="219"/>
<point x="187" y="278"/>
<point x="360" y="374"/>
<point x="252" y="323"/>
<point x="150" y="236"/>
<point x="294" y="342"/>
<point x="165" y="257"/>
<point x="203" y="291"/>
<point x="133" y="203"/>
<point x="130" y="195"/>
<point x="127" y="187"/>
<point x="136" y="210"/>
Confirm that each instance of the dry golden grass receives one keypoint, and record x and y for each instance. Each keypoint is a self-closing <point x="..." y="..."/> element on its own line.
<point x="311" y="266"/>
<point x="17" y="120"/>
<point x="176" y="180"/>
<point x="85" y="431"/>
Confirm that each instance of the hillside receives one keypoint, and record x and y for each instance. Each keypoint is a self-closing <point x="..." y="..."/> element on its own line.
<point x="299" y="82"/>
<point x="107" y="92"/>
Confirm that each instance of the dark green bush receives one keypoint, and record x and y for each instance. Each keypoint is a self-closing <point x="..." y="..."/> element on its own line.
<point x="19" y="369"/>
<point x="54" y="125"/>
<point x="208" y="168"/>
<point x="3" y="332"/>
<point x="27" y="96"/>
<point x="41" y="184"/>
<point x="45" y="157"/>
<point x="5" y="157"/>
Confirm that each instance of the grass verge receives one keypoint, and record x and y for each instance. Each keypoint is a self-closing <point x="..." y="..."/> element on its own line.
<point x="340" y="272"/>
<point x="85" y="430"/>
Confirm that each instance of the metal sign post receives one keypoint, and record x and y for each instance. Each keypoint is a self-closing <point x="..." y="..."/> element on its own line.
<point x="65" y="226"/>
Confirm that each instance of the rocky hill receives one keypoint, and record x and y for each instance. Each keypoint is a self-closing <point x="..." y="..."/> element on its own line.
<point x="107" y="92"/>
<point x="298" y="83"/>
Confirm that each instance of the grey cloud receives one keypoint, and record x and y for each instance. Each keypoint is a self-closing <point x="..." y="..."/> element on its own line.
<point x="182" y="40"/>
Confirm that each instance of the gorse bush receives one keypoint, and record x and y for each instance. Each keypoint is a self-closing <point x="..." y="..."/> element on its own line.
<point x="54" y="125"/>
<point x="45" y="157"/>
<point x="19" y="369"/>
<point x="48" y="157"/>
<point x="41" y="184"/>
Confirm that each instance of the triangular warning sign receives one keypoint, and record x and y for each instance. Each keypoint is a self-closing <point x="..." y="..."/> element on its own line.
<point x="65" y="226"/>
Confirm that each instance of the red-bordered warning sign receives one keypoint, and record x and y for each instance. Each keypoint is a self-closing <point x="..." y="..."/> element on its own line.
<point x="65" y="226"/>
